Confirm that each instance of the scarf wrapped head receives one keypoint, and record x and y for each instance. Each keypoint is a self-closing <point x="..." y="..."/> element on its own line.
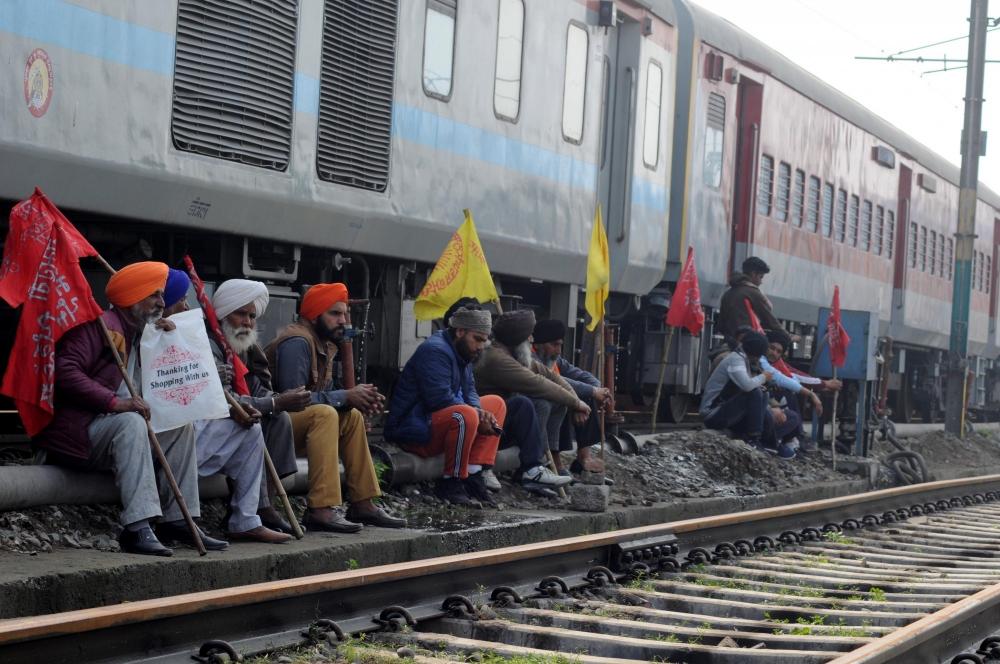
<point x="514" y="328"/>
<point x="238" y="293"/>
<point x="134" y="283"/>
<point x="476" y="320"/>
<point x="177" y="286"/>
<point x="547" y="331"/>
<point x="320" y="298"/>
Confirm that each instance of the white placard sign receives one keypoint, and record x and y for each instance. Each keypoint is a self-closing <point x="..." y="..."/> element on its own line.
<point x="179" y="379"/>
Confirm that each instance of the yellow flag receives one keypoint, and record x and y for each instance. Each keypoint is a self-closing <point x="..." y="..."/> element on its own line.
<point x="461" y="271"/>
<point x="598" y="272"/>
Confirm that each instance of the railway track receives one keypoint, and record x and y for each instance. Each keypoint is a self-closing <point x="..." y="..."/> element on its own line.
<point x="903" y="575"/>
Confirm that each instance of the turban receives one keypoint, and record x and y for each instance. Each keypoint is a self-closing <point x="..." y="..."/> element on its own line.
<point x="779" y="337"/>
<point x="134" y="283"/>
<point x="476" y="320"/>
<point x="238" y="293"/>
<point x="515" y="327"/>
<point x="320" y="298"/>
<point x="547" y="331"/>
<point x="177" y="287"/>
<point x="754" y="344"/>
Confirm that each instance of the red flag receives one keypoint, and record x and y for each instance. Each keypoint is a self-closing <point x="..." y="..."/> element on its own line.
<point x="239" y="369"/>
<point x="754" y="321"/>
<point x="41" y="270"/>
<point x="685" y="305"/>
<point x="836" y="335"/>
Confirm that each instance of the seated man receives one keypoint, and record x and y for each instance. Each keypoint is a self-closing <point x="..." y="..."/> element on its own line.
<point x="435" y="408"/>
<point x="506" y="369"/>
<point x="99" y="425"/>
<point x="332" y="427"/>
<point x="233" y="446"/>
<point x="548" y="345"/>
<point x="734" y="398"/>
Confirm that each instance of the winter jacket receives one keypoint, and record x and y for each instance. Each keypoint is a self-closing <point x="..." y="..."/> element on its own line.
<point x="733" y="375"/>
<point x="498" y="372"/>
<point x="435" y="377"/>
<point x="733" y="311"/>
<point x="87" y="378"/>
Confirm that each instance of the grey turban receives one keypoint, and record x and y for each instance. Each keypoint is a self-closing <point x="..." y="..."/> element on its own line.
<point x="515" y="327"/>
<point x="236" y="293"/>
<point x="476" y="320"/>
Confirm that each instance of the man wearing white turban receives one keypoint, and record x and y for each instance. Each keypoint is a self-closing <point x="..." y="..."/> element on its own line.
<point x="238" y="303"/>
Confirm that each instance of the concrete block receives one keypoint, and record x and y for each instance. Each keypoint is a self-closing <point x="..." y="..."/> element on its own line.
<point x="589" y="497"/>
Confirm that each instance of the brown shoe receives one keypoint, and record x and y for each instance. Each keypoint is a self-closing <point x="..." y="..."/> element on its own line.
<point x="260" y="534"/>
<point x="329" y="520"/>
<point x="377" y="517"/>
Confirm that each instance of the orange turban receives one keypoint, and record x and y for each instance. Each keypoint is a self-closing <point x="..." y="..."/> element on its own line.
<point x="136" y="282"/>
<point x="320" y="298"/>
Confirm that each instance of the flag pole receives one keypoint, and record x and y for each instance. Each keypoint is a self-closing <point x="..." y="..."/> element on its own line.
<point x="833" y="423"/>
<point x="604" y="381"/>
<point x="663" y="372"/>
<point x="272" y="472"/>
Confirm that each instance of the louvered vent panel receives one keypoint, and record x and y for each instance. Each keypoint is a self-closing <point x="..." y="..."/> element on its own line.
<point x="716" y="111"/>
<point x="234" y="77"/>
<point x="356" y="86"/>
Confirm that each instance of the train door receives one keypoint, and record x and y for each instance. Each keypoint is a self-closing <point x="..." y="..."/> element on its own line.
<point x="902" y="228"/>
<point x="749" y="110"/>
<point x="618" y="132"/>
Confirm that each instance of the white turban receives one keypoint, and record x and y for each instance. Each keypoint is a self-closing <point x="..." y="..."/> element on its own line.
<point x="237" y="293"/>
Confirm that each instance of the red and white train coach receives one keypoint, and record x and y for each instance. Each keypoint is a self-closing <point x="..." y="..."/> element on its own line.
<point x="784" y="167"/>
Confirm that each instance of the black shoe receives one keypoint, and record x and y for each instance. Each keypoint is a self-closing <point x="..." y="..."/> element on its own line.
<point x="270" y="518"/>
<point x="452" y="490"/>
<point x="170" y="532"/>
<point x="475" y="486"/>
<point x="142" y="541"/>
<point x="328" y="520"/>
<point x="379" y="518"/>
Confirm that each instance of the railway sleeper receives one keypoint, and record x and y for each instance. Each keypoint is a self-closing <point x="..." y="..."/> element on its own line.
<point x="839" y="561"/>
<point x="708" y="635"/>
<point x="835" y="577"/>
<point x="571" y="641"/>
<point x="840" y="591"/>
<point x="960" y="533"/>
<point x="957" y="561"/>
<point x="467" y="646"/>
<point x="887" y="542"/>
<point x="759" y="611"/>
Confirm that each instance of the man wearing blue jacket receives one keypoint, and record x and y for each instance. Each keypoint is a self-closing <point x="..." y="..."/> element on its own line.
<point x="435" y="408"/>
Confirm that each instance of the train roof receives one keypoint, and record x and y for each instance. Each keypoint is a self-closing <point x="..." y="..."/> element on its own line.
<point x="735" y="41"/>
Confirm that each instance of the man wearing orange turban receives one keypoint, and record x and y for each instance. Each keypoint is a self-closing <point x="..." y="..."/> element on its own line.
<point x="305" y="354"/>
<point x="98" y="425"/>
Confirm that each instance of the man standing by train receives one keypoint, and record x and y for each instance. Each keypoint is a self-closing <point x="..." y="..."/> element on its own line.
<point x="745" y="287"/>
<point x="332" y="426"/>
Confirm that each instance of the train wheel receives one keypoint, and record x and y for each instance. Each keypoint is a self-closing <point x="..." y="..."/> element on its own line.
<point x="676" y="407"/>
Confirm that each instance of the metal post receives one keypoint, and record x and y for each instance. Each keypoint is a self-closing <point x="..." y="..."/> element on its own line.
<point x="966" y="235"/>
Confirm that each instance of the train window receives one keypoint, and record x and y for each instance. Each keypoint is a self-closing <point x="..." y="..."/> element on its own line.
<point x="765" y="182"/>
<point x="932" y="251"/>
<point x="950" y="258"/>
<point x="812" y="219"/>
<point x="923" y="248"/>
<point x="865" y="227"/>
<point x="942" y="270"/>
<point x="798" y="197"/>
<point x="507" y="76"/>
<point x="978" y="266"/>
<point x="841" y="219"/>
<point x="852" y="221"/>
<point x="651" y="119"/>
<point x="989" y="275"/>
<point x="878" y="230"/>
<point x="913" y="245"/>
<point x="439" y="47"/>
<point x="781" y="191"/>
<point x="827" y="212"/>
<point x="574" y="83"/>
<point x="715" y="131"/>
<point x="890" y="233"/>
<point x="972" y="277"/>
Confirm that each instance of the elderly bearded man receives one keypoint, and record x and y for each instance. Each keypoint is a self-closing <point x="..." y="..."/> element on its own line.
<point x="98" y="425"/>
<point x="305" y="354"/>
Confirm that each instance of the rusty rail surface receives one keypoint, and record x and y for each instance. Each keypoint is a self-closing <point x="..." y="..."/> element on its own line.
<point x="901" y="575"/>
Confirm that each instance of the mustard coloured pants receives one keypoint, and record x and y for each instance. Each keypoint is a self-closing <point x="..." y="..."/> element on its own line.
<point x="325" y="435"/>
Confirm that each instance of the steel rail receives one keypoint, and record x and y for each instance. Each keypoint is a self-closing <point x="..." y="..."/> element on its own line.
<point x="273" y="614"/>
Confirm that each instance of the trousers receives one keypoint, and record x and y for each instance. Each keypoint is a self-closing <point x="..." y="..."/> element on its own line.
<point x="744" y="414"/>
<point x="586" y="434"/>
<point x="551" y="417"/>
<point x="326" y="435"/>
<point x="281" y="446"/>
<point x="224" y="446"/>
<point x="455" y="432"/>
<point x="521" y="428"/>
<point x="120" y="443"/>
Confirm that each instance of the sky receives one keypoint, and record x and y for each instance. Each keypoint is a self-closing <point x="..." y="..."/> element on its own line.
<point x="824" y="36"/>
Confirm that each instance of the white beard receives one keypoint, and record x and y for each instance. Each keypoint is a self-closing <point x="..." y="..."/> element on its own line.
<point x="240" y="339"/>
<point x="522" y="353"/>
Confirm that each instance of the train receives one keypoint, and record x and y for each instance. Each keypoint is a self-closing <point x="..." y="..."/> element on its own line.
<point x="298" y="141"/>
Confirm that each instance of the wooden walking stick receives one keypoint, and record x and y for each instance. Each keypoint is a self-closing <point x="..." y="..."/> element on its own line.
<point x="213" y="324"/>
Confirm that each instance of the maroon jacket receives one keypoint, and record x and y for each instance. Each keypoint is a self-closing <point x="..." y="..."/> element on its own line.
<point x="87" y="378"/>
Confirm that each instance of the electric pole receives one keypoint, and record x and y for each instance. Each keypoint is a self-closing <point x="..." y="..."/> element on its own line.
<point x="956" y="396"/>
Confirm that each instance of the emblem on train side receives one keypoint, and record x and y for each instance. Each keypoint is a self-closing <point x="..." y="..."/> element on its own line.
<point x="38" y="82"/>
